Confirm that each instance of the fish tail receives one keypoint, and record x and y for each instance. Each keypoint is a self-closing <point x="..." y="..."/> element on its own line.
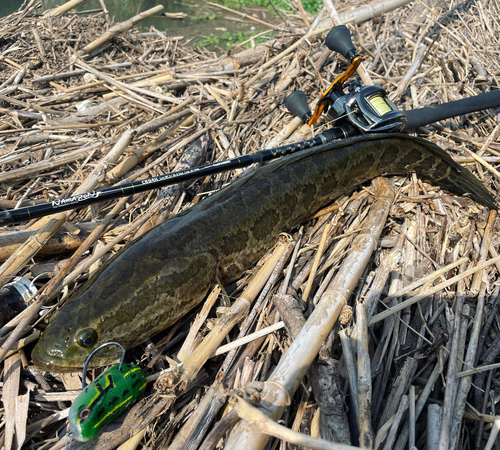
<point x="458" y="179"/>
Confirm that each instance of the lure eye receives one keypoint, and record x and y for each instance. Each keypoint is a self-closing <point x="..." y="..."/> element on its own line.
<point x="84" y="413"/>
<point x="87" y="338"/>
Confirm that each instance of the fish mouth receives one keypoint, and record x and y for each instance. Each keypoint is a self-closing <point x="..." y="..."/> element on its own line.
<point x="52" y="363"/>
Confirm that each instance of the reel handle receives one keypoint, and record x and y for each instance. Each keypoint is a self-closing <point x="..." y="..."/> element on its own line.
<point x="297" y="104"/>
<point x="339" y="40"/>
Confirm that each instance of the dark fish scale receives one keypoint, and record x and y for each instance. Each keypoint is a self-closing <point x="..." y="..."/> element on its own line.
<point x="156" y="280"/>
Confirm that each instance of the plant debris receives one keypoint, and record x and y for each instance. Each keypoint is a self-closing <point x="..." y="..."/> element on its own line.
<point x="412" y="361"/>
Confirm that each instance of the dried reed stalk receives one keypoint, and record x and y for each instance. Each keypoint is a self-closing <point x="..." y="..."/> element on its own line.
<point x="63" y="8"/>
<point x="430" y="233"/>
<point x="286" y="377"/>
<point x="117" y="29"/>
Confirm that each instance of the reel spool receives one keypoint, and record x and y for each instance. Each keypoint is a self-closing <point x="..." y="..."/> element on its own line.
<point x="369" y="110"/>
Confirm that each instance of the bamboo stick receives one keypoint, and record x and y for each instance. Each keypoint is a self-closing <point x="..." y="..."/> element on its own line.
<point x="351" y="367"/>
<point x="483" y="252"/>
<point x="63" y="8"/>
<point x="269" y="427"/>
<point x="286" y="377"/>
<point x="160" y="78"/>
<point x="403" y="406"/>
<point x="466" y="382"/>
<point x="249" y="338"/>
<point x="364" y="380"/>
<point x="210" y="403"/>
<point x="317" y="258"/>
<point x="433" y="290"/>
<point x="59" y="243"/>
<point x="128" y="89"/>
<point x="409" y="74"/>
<point x="11" y="382"/>
<point x="117" y="29"/>
<point x="24" y="342"/>
<point x="434" y="413"/>
<point x="43" y="166"/>
<point x="187" y="348"/>
<point x="451" y="380"/>
<point x="412" y="418"/>
<point x="493" y="434"/>
<point x="31" y="247"/>
<point x="156" y="75"/>
<point x="371" y="10"/>
<point x="128" y="163"/>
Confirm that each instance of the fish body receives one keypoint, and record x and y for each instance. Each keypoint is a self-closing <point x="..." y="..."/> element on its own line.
<point x="157" y="279"/>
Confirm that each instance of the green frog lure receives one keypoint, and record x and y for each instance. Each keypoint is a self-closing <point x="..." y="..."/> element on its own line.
<point x="109" y="395"/>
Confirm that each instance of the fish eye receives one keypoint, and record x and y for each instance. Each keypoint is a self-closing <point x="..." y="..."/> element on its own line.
<point x="87" y="338"/>
<point x="84" y="413"/>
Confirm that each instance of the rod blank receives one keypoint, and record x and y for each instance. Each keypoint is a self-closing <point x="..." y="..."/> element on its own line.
<point x="135" y="187"/>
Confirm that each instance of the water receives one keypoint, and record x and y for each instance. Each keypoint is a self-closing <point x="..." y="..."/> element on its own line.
<point x="9" y="6"/>
<point x="204" y="23"/>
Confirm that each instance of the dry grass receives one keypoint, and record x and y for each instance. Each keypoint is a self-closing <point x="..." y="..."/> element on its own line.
<point x="61" y="116"/>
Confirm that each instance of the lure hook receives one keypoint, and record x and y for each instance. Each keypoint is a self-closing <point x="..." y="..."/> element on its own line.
<point x="84" y="383"/>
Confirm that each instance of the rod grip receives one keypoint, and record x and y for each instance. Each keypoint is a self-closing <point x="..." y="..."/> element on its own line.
<point x="434" y="113"/>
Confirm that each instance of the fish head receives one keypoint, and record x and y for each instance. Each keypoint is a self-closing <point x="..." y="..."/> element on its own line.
<point x="125" y="303"/>
<point x="87" y="320"/>
<point x="66" y="344"/>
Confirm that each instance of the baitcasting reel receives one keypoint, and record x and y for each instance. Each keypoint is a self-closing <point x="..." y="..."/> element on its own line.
<point x="365" y="107"/>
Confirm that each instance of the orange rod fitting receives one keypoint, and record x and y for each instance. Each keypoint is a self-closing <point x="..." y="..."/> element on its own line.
<point x="338" y="83"/>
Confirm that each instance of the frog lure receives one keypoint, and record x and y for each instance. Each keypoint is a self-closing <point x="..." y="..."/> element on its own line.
<point x="109" y="395"/>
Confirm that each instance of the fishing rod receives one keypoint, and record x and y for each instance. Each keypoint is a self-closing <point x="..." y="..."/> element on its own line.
<point x="364" y="109"/>
<point x="124" y="190"/>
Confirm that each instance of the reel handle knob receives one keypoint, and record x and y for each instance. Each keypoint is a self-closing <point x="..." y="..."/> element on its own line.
<point x="339" y="40"/>
<point x="297" y="104"/>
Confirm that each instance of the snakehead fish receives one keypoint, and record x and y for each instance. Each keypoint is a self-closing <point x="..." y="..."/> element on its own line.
<point x="157" y="279"/>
